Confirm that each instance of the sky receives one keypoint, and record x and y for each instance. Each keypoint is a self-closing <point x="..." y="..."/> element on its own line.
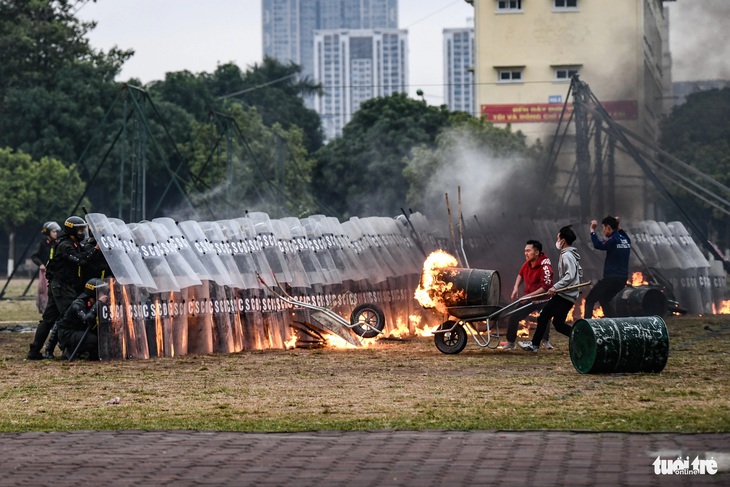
<point x="197" y="35"/>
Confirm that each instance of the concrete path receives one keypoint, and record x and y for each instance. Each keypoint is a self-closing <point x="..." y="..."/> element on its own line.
<point x="335" y="458"/>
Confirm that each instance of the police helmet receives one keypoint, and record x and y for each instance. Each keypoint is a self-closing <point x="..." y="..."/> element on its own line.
<point x="49" y="227"/>
<point x="74" y="225"/>
<point x="92" y="285"/>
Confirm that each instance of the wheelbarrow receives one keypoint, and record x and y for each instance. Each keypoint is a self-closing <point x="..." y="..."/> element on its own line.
<point x="481" y="322"/>
<point x="367" y="320"/>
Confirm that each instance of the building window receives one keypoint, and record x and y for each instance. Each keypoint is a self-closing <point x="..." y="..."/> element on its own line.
<point x="509" y="75"/>
<point x="507" y="5"/>
<point x="563" y="4"/>
<point x="564" y="73"/>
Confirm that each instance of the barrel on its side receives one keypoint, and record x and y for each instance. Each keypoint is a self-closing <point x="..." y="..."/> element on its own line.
<point x="639" y="301"/>
<point x="619" y="345"/>
<point x="471" y="287"/>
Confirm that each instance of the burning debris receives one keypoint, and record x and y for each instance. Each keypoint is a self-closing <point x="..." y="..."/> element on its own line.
<point x="433" y="291"/>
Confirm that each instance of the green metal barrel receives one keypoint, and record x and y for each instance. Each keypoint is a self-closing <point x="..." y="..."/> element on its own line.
<point x="471" y="287"/>
<point x="639" y="301"/>
<point x="609" y="345"/>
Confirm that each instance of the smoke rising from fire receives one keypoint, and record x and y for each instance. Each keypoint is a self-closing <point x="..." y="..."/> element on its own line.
<point x="697" y="30"/>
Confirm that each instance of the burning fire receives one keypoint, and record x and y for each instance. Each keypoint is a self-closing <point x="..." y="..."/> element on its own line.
<point x="724" y="308"/>
<point x="597" y="313"/>
<point x="431" y="289"/>
<point x="292" y="341"/>
<point x="637" y="279"/>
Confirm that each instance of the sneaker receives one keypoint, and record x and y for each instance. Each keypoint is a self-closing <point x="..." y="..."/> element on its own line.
<point x="509" y="346"/>
<point x="546" y="345"/>
<point x="528" y="347"/>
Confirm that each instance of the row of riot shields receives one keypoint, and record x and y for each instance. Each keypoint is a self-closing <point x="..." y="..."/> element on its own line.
<point x="194" y="287"/>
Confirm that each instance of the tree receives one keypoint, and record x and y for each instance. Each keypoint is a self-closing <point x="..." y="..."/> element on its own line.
<point x="361" y="172"/>
<point x="237" y="163"/>
<point x="698" y="133"/>
<point x="33" y="190"/>
<point x="53" y="86"/>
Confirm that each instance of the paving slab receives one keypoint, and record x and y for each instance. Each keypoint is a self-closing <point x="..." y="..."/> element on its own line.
<point x="353" y="459"/>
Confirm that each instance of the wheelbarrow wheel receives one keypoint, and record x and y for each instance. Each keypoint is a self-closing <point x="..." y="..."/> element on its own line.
<point x="369" y="320"/>
<point x="452" y="341"/>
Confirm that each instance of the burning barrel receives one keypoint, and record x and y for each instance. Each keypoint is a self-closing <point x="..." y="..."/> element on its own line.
<point x="619" y="345"/>
<point x="639" y="301"/>
<point x="470" y="287"/>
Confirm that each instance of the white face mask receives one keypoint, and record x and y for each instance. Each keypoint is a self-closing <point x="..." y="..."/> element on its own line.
<point x="557" y="245"/>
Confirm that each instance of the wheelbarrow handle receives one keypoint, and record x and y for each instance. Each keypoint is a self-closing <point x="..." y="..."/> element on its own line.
<point x="562" y="290"/>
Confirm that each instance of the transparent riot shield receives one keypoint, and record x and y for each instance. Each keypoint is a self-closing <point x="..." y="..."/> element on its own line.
<point x="128" y="240"/>
<point x="270" y="246"/>
<point x="292" y="256"/>
<point x="315" y="237"/>
<point x="323" y="226"/>
<point x="342" y="241"/>
<point x="118" y="252"/>
<point x="206" y="253"/>
<point x="242" y="253"/>
<point x="374" y="271"/>
<point x="698" y="261"/>
<point x="224" y="250"/>
<point x="172" y="247"/>
<point x="186" y="251"/>
<point x="121" y="332"/>
<point x="304" y="250"/>
<point x="153" y="256"/>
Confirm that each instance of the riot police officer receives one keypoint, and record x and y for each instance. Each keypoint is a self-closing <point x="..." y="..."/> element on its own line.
<point x="64" y="275"/>
<point x="78" y="317"/>
<point x="40" y="258"/>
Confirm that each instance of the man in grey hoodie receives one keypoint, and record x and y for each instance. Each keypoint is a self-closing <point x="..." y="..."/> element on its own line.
<point x="569" y="274"/>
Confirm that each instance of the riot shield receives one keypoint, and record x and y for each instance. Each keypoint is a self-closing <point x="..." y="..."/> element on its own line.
<point x="153" y="255"/>
<point x="173" y="247"/>
<point x="118" y="252"/>
<point x="206" y="253"/>
<point x="186" y="251"/>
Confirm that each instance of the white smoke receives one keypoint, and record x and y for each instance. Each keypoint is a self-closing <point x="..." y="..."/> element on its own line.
<point x="697" y="30"/>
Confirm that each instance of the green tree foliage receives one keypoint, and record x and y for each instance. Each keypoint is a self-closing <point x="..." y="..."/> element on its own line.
<point x="53" y="86"/>
<point x="273" y="88"/>
<point x="698" y="133"/>
<point x="493" y="162"/>
<point x="30" y="189"/>
<point x="238" y="163"/>
<point x="361" y="172"/>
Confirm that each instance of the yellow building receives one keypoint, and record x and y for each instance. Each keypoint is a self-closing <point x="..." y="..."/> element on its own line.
<point x="528" y="50"/>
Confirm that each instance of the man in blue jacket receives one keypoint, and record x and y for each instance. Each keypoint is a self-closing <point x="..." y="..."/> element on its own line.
<point x="616" y="267"/>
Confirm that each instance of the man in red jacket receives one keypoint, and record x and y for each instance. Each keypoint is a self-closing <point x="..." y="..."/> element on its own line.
<point x="537" y="274"/>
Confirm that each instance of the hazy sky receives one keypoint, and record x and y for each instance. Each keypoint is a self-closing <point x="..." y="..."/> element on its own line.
<point x="174" y="35"/>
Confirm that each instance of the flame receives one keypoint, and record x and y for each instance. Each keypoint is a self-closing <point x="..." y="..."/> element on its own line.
<point x="422" y="330"/>
<point x="401" y="329"/>
<point x="597" y="313"/>
<point x="723" y="309"/>
<point x="292" y="341"/>
<point x="637" y="279"/>
<point x="335" y="341"/>
<point x="431" y="288"/>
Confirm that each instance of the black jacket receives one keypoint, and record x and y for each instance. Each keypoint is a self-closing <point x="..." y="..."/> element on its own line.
<point x="80" y="314"/>
<point x="43" y="251"/>
<point x="66" y="261"/>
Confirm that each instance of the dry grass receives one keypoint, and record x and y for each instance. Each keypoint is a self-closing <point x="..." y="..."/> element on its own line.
<point x="394" y="385"/>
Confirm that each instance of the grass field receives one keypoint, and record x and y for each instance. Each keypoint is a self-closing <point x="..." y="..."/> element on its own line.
<point x="393" y="385"/>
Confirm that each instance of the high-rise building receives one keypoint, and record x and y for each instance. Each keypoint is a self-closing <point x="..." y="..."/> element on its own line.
<point x="528" y="50"/>
<point x="459" y="69"/>
<point x="289" y="25"/>
<point x="353" y="66"/>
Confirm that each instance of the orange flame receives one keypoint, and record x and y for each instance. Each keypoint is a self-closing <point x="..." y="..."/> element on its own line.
<point x="723" y="309"/>
<point x="292" y="341"/>
<point x="597" y="313"/>
<point x="637" y="279"/>
<point x="431" y="289"/>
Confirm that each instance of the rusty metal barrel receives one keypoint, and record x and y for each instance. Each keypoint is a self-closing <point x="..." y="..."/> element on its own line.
<point x="471" y="287"/>
<point x="639" y="301"/>
<point x="610" y="345"/>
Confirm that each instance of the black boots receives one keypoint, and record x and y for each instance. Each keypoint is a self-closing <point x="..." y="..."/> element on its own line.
<point x="52" y="342"/>
<point x="34" y="354"/>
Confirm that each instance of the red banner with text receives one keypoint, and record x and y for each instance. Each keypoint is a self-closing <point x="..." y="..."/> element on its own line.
<point x="550" y="112"/>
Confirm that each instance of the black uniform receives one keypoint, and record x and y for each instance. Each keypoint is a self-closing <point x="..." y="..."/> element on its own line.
<point x="79" y="316"/>
<point x="66" y="282"/>
<point x="43" y="251"/>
